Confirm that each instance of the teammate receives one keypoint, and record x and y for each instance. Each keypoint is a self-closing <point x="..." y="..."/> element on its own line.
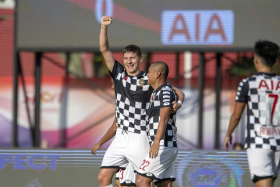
<point x="132" y="93"/>
<point x="159" y="162"/>
<point x="111" y="132"/>
<point x="260" y="93"/>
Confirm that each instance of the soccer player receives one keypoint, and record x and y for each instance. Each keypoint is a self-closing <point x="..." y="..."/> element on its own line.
<point x="159" y="162"/>
<point x="111" y="132"/>
<point x="260" y="93"/>
<point x="132" y="93"/>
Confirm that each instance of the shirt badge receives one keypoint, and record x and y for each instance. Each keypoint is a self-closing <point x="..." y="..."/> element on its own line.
<point x="141" y="82"/>
<point x="153" y="97"/>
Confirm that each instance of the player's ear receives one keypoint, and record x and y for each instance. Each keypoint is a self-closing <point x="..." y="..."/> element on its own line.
<point x="158" y="74"/>
<point x="256" y="60"/>
<point x="141" y="59"/>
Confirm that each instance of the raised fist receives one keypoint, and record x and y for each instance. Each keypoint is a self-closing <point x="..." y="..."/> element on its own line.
<point x="106" y="20"/>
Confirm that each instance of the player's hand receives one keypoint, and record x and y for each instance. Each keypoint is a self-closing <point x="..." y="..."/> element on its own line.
<point x="227" y="141"/>
<point x="153" y="153"/>
<point x="94" y="148"/>
<point x="106" y="20"/>
<point x="175" y="106"/>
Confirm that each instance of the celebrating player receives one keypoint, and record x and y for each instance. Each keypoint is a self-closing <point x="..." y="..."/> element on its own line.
<point x="132" y="93"/>
<point x="159" y="162"/>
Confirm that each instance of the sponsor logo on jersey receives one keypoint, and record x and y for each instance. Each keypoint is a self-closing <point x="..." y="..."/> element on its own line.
<point x="165" y="104"/>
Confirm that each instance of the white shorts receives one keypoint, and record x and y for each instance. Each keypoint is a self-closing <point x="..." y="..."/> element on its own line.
<point x="120" y="173"/>
<point x="160" y="168"/>
<point x="128" y="176"/>
<point x="127" y="148"/>
<point x="117" y="176"/>
<point x="263" y="163"/>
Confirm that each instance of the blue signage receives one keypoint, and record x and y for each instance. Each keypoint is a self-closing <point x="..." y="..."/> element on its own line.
<point x="24" y="162"/>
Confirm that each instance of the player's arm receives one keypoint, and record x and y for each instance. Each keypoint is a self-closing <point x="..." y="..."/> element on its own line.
<point x="109" y="134"/>
<point x="104" y="43"/>
<point x="241" y="100"/>
<point x="177" y="105"/>
<point x="233" y="123"/>
<point x="164" y="117"/>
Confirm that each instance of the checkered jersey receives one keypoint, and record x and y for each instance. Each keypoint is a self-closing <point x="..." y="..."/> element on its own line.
<point x="132" y="96"/>
<point x="160" y="98"/>
<point x="261" y="93"/>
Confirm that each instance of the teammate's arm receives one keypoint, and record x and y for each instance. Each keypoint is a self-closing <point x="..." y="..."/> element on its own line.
<point x="104" y="43"/>
<point x="109" y="134"/>
<point x="233" y="123"/>
<point x="164" y="117"/>
<point x="177" y="105"/>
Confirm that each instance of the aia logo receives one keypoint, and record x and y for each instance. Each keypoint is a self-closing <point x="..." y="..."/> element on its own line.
<point x="197" y="27"/>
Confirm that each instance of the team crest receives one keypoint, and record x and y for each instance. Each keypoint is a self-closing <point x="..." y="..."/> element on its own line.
<point x="140" y="82"/>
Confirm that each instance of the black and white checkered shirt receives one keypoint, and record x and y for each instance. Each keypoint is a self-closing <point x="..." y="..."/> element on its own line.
<point x="132" y="96"/>
<point x="160" y="98"/>
<point x="261" y="92"/>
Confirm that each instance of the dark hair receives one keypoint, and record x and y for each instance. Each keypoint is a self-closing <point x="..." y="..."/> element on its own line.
<point x="267" y="51"/>
<point x="164" y="67"/>
<point x="133" y="49"/>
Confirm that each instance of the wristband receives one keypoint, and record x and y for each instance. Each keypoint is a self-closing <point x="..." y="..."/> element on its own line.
<point x="180" y="102"/>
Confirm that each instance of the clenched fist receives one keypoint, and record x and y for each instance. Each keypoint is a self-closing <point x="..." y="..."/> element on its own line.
<point x="106" y="20"/>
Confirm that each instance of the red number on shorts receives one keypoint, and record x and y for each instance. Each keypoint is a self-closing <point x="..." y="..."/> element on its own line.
<point x="147" y="163"/>
<point x="121" y="174"/>
<point x="144" y="162"/>
<point x="274" y="105"/>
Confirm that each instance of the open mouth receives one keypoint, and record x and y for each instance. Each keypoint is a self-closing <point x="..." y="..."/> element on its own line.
<point x="130" y="67"/>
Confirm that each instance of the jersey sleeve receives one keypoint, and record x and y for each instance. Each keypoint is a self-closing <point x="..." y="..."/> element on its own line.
<point x="166" y="98"/>
<point x="118" y="68"/>
<point x="242" y="91"/>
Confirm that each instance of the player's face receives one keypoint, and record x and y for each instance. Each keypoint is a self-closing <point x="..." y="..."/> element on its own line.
<point x="131" y="63"/>
<point x="150" y="75"/>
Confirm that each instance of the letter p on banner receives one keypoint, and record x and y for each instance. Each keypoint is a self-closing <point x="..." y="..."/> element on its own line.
<point x="197" y="27"/>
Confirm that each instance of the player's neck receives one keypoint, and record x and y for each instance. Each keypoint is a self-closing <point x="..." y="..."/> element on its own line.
<point x="158" y="84"/>
<point x="264" y="70"/>
<point x="134" y="74"/>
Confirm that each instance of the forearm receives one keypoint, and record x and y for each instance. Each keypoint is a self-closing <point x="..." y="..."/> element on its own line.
<point x="180" y="94"/>
<point x="161" y="129"/>
<point x="109" y="134"/>
<point x="103" y="39"/>
<point x="232" y="125"/>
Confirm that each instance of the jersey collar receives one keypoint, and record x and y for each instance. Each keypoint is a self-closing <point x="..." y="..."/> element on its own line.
<point x="141" y="74"/>
<point x="267" y="74"/>
<point x="159" y="88"/>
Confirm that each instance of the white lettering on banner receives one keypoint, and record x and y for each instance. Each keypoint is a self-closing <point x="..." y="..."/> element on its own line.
<point x="197" y="27"/>
<point x="268" y="131"/>
<point x="103" y="7"/>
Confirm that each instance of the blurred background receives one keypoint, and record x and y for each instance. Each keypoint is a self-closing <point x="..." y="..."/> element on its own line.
<point x="55" y="91"/>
